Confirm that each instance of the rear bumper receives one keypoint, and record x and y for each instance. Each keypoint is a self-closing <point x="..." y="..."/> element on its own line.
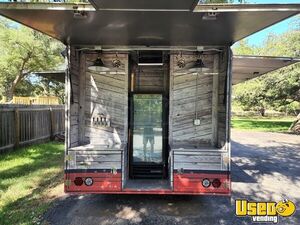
<point x="111" y="183"/>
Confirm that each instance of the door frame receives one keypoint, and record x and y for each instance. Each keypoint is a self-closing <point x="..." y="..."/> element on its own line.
<point x="165" y="132"/>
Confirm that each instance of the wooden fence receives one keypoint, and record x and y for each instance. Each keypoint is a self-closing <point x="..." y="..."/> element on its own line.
<point x="40" y="100"/>
<point x="21" y="125"/>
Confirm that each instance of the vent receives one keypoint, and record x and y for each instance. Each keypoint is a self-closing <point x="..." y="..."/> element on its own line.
<point x="147" y="172"/>
<point x="150" y="58"/>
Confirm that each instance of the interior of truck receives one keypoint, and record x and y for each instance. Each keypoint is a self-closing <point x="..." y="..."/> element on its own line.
<point x="148" y="114"/>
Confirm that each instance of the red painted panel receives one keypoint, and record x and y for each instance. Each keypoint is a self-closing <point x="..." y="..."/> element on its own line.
<point x="108" y="182"/>
<point x="184" y="184"/>
<point x="189" y="182"/>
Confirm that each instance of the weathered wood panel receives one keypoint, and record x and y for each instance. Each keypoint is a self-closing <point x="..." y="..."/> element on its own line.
<point x="106" y="94"/>
<point x="93" y="157"/>
<point x="190" y="96"/>
<point x="149" y="78"/>
<point x="203" y="97"/>
<point x="72" y="96"/>
<point x="200" y="159"/>
<point x="222" y="100"/>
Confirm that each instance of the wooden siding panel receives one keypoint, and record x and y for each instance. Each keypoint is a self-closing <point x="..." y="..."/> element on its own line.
<point x="199" y="159"/>
<point x="106" y="94"/>
<point x="185" y="95"/>
<point x="74" y="98"/>
<point x="221" y="101"/>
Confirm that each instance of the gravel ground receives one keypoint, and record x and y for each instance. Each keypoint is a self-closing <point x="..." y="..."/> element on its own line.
<point x="265" y="166"/>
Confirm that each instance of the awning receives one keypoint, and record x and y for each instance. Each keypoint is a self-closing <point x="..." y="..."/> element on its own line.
<point x="210" y="25"/>
<point x="243" y="68"/>
<point x="248" y="67"/>
<point x="58" y="75"/>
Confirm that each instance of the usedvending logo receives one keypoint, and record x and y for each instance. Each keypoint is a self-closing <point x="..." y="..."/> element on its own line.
<point x="264" y="212"/>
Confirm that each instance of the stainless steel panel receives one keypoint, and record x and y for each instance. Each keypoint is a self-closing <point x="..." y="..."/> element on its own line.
<point x="249" y="67"/>
<point x="143" y="28"/>
<point x="145" y="4"/>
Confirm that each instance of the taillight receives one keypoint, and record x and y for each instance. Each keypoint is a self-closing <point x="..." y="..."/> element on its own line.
<point x="205" y="183"/>
<point x="88" y="181"/>
<point x="78" y="181"/>
<point x="216" y="183"/>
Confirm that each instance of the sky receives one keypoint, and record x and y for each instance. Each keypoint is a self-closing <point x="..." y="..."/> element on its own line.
<point x="258" y="38"/>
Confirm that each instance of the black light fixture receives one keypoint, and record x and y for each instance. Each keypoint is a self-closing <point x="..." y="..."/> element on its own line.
<point x="98" y="66"/>
<point x="198" y="67"/>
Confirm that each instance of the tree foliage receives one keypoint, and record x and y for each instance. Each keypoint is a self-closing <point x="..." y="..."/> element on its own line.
<point x="278" y="90"/>
<point x="23" y="51"/>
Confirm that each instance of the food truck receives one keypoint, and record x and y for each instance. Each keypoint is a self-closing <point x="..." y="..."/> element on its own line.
<point x="148" y="89"/>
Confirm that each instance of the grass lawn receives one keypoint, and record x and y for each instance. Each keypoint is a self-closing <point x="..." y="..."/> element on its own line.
<point x="259" y="124"/>
<point x="30" y="178"/>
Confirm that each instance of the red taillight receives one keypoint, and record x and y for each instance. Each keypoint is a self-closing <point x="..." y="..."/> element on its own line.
<point x="78" y="181"/>
<point x="216" y="183"/>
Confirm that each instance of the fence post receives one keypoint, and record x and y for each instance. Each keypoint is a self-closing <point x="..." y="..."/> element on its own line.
<point x="52" y="124"/>
<point x="17" y="128"/>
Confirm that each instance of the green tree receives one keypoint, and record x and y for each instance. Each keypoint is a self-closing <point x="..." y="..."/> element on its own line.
<point x="22" y="52"/>
<point x="47" y="87"/>
<point x="244" y="48"/>
<point x="279" y="90"/>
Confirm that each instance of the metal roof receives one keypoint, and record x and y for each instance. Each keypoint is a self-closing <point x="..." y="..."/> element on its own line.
<point x="81" y="24"/>
<point x="248" y="67"/>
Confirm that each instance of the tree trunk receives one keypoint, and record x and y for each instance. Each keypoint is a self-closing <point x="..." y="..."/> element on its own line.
<point x="262" y="111"/>
<point x="18" y="78"/>
<point x="295" y="127"/>
<point x="12" y="89"/>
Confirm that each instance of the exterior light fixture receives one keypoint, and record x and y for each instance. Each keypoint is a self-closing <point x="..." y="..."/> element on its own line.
<point x="88" y="181"/>
<point x="181" y="62"/>
<point x="98" y="66"/>
<point x="198" y="67"/>
<point x="78" y="181"/>
<point x="206" y="183"/>
<point x="116" y="62"/>
<point x="216" y="183"/>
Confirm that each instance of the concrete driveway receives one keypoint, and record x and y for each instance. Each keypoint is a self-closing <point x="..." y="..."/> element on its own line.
<point x="265" y="166"/>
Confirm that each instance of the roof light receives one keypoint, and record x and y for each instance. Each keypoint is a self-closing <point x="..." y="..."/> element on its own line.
<point x="150" y="64"/>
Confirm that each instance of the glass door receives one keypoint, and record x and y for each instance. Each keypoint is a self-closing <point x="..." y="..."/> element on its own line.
<point x="147" y="129"/>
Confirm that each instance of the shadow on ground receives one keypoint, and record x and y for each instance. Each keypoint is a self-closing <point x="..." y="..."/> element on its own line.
<point x="262" y="169"/>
